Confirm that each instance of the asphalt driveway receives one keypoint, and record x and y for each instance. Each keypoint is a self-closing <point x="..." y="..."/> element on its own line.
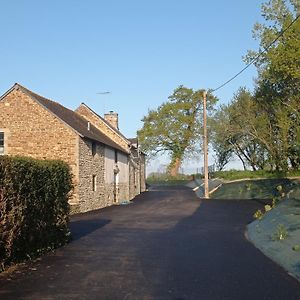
<point x="166" y="245"/>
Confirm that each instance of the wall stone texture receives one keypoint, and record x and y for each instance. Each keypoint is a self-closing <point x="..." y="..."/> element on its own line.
<point x="143" y="172"/>
<point x="113" y="119"/>
<point x="31" y="130"/>
<point x="91" y="165"/>
<point x="134" y="183"/>
<point x="102" y="126"/>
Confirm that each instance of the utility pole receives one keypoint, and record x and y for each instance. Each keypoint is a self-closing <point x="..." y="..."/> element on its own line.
<point x="206" y="193"/>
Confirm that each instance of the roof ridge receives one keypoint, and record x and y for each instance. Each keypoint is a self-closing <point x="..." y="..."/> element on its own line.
<point x="106" y="122"/>
<point x="47" y="99"/>
<point x="69" y="117"/>
<point x="36" y="94"/>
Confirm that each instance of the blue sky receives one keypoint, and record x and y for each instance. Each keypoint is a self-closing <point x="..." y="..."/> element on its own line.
<point x="140" y="51"/>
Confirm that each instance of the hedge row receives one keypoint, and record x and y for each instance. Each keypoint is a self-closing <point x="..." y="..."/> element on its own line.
<point x="34" y="207"/>
<point x="241" y="174"/>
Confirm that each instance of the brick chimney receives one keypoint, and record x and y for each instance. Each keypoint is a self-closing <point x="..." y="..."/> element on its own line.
<point x="112" y="118"/>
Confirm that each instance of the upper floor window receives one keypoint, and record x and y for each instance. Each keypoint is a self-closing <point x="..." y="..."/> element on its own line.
<point x="94" y="148"/>
<point x="1" y="142"/>
<point x="116" y="156"/>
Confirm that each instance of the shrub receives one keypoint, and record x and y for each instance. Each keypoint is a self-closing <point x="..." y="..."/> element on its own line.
<point x="280" y="233"/>
<point x="167" y="178"/>
<point x="33" y="207"/>
<point x="275" y="201"/>
<point x="296" y="248"/>
<point x="248" y="186"/>
<point x="268" y="207"/>
<point x="258" y="214"/>
<point x="239" y="174"/>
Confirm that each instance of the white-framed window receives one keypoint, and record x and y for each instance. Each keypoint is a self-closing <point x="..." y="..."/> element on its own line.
<point x="1" y="142"/>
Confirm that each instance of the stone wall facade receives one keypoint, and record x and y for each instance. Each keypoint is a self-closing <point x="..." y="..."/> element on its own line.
<point x="136" y="168"/>
<point x="134" y="182"/>
<point x="137" y="173"/>
<point x="89" y="115"/>
<point x="116" y="175"/>
<point x="143" y="172"/>
<point x="92" y="189"/>
<point x="102" y="176"/>
<point x="123" y="176"/>
<point x="30" y="130"/>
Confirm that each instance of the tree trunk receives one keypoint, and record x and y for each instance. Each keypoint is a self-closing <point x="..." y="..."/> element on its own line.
<point x="253" y="166"/>
<point x="174" y="166"/>
<point x="243" y="162"/>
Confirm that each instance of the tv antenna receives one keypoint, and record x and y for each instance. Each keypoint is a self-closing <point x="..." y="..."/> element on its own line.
<point x="104" y="93"/>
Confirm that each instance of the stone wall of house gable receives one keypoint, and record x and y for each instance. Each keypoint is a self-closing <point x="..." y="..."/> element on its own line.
<point x="134" y="180"/>
<point x="123" y="177"/>
<point x="137" y="173"/>
<point x="31" y="130"/>
<point x="90" y="165"/>
<point x="102" y="126"/>
<point x="131" y="181"/>
<point x="122" y="180"/>
<point x="125" y="192"/>
<point x="143" y="172"/>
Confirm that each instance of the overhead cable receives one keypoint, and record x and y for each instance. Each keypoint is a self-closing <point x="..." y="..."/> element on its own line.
<point x="258" y="55"/>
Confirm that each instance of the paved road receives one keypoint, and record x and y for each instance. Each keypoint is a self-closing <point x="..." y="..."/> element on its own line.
<point x="167" y="245"/>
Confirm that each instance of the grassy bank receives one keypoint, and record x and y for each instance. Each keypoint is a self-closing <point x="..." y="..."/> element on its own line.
<point x="257" y="189"/>
<point x="277" y="235"/>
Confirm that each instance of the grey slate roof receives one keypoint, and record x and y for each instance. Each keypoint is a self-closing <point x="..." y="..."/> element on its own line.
<point x="71" y="118"/>
<point x="134" y="141"/>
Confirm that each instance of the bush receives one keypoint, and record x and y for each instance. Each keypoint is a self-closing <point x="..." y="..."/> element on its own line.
<point x="165" y="178"/>
<point x="258" y="214"/>
<point x="34" y="207"/>
<point x="281" y="233"/>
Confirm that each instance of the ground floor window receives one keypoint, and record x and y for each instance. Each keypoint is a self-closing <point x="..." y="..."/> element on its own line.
<point x="94" y="183"/>
<point x="1" y="142"/>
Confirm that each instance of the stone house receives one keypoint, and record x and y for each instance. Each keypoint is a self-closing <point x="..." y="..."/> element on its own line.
<point x="109" y="125"/>
<point x="107" y="167"/>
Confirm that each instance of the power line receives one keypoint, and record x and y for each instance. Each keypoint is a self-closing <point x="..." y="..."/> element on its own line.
<point x="258" y="55"/>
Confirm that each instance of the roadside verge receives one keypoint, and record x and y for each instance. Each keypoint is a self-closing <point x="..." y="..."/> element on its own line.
<point x="277" y="235"/>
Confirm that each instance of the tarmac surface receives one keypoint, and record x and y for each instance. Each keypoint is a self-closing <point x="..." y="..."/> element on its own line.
<point x="168" y="244"/>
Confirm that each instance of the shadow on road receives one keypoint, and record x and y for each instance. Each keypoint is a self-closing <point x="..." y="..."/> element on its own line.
<point x="168" y="245"/>
<point x="82" y="228"/>
<point x="206" y="256"/>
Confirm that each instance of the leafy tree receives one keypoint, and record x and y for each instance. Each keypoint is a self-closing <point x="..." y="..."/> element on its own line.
<point x="263" y="129"/>
<point x="175" y="127"/>
<point x="278" y="83"/>
<point x="220" y="136"/>
<point x="238" y="128"/>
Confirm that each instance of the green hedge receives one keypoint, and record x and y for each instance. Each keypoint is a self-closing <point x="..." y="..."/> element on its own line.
<point x="34" y="207"/>
<point x="240" y="174"/>
<point x="164" y="178"/>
